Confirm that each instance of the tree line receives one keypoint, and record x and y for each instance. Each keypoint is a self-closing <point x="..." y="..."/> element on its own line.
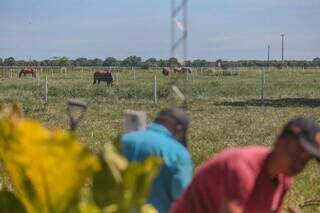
<point x="135" y="61"/>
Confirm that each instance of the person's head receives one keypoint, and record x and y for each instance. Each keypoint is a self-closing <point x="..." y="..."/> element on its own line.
<point x="296" y="145"/>
<point x="176" y="121"/>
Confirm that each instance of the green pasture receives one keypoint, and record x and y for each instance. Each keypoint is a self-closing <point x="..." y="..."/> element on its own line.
<point x="225" y="107"/>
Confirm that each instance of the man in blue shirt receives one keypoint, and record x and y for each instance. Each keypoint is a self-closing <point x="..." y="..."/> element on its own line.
<point x="166" y="138"/>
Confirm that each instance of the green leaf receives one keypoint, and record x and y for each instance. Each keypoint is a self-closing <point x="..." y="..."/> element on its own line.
<point x="9" y="203"/>
<point x="123" y="187"/>
<point x="106" y="187"/>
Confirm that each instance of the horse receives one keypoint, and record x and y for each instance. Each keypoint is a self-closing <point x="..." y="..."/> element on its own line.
<point x="167" y="70"/>
<point x="26" y="71"/>
<point x="103" y="76"/>
<point x="182" y="70"/>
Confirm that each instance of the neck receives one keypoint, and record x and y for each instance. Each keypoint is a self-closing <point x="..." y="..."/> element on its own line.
<point x="272" y="167"/>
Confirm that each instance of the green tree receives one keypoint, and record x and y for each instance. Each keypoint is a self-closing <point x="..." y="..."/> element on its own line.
<point x="45" y="63"/>
<point x="63" y="61"/>
<point x="150" y="63"/>
<point x="188" y="63"/>
<point x="59" y="61"/>
<point x="9" y="61"/>
<point x="218" y="63"/>
<point x="110" y="62"/>
<point x="97" y="62"/>
<point x="173" y="62"/>
<point x="162" y="63"/>
<point x="81" y="62"/>
<point x="316" y="61"/>
<point x="132" y="61"/>
<point x="199" y="63"/>
<point x="21" y="63"/>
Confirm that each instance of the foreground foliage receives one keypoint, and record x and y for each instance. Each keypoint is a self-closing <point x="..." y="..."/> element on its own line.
<point x="49" y="172"/>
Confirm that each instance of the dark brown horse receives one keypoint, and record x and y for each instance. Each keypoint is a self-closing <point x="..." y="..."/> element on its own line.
<point x="166" y="71"/>
<point x="26" y="71"/>
<point x="103" y="76"/>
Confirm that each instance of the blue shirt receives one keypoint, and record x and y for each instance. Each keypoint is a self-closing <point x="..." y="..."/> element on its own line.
<point x="176" y="173"/>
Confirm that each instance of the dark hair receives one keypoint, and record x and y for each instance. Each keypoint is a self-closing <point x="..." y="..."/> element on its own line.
<point x="307" y="128"/>
<point x="177" y="114"/>
<point x="287" y="132"/>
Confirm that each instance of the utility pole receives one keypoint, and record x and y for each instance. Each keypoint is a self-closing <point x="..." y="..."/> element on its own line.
<point x="181" y="25"/>
<point x="282" y="55"/>
<point x="173" y="29"/>
<point x="268" y="55"/>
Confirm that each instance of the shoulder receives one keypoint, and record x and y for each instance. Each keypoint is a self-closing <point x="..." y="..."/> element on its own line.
<point x="175" y="155"/>
<point x="133" y="136"/>
<point x="175" y="151"/>
<point x="238" y="161"/>
<point x="248" y="155"/>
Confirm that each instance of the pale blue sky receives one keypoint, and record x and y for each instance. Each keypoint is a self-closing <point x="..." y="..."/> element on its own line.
<point x="227" y="29"/>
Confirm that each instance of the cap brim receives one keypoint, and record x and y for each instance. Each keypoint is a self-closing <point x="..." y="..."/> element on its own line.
<point x="310" y="148"/>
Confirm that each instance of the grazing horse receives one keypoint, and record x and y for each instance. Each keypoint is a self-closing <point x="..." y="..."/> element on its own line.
<point x="166" y="71"/>
<point x="182" y="70"/>
<point x="26" y="71"/>
<point x="103" y="76"/>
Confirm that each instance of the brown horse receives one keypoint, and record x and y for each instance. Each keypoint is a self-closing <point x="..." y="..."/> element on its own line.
<point x="167" y="70"/>
<point x="182" y="70"/>
<point x="26" y="71"/>
<point x="103" y="76"/>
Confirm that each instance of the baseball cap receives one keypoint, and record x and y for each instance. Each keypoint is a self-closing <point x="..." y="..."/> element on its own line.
<point x="307" y="132"/>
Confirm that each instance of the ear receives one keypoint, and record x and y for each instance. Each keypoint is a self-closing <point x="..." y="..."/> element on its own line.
<point x="317" y="138"/>
<point x="279" y="143"/>
<point x="296" y="129"/>
<point x="179" y="127"/>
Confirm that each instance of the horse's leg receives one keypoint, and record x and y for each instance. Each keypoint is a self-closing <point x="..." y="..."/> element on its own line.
<point x="94" y="81"/>
<point x="98" y="81"/>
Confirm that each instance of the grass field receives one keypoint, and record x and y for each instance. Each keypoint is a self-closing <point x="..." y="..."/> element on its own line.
<point x="225" y="107"/>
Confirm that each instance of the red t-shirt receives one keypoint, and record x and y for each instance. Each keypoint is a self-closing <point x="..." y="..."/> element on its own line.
<point x="238" y="175"/>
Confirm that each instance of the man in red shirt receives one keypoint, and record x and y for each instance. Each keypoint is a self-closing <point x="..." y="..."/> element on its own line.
<point x="252" y="179"/>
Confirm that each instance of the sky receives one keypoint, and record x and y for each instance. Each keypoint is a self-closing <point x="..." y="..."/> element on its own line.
<point x="218" y="29"/>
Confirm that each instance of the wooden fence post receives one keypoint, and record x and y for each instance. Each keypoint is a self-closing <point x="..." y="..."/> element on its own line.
<point x="192" y="77"/>
<point x="38" y="78"/>
<point x="81" y="73"/>
<point x="117" y="78"/>
<point x="155" y="92"/>
<point x="46" y="89"/>
<point x="262" y="84"/>
<point x="134" y="121"/>
<point x="134" y="74"/>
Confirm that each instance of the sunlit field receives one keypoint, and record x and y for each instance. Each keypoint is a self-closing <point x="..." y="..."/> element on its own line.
<point x="225" y="106"/>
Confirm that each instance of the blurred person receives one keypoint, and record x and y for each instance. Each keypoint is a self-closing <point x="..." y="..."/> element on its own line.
<point x="253" y="179"/>
<point x="166" y="138"/>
